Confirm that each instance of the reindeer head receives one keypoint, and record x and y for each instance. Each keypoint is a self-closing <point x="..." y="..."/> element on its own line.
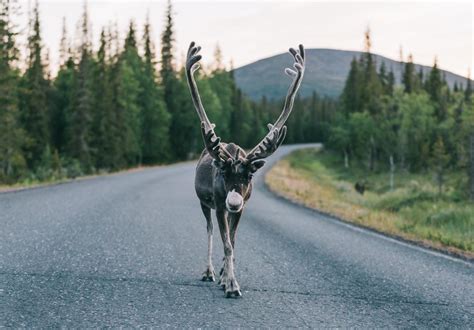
<point x="234" y="167"/>
<point x="233" y="177"/>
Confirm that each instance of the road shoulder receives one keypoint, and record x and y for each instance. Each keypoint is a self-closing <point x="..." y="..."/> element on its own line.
<point x="290" y="186"/>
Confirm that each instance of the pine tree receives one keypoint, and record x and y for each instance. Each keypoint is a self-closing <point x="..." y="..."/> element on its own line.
<point x="468" y="90"/>
<point x="79" y="125"/>
<point x="103" y="125"/>
<point x="62" y="97"/>
<point x="391" y="83"/>
<point x="436" y="87"/>
<point x="222" y="85"/>
<point x="421" y="77"/>
<point x="371" y="86"/>
<point x="167" y="71"/>
<point x="155" y="119"/>
<point x="351" y="95"/>
<point x="434" y="83"/>
<point x="383" y="77"/>
<point x="12" y="137"/>
<point x="63" y="46"/>
<point x="184" y="126"/>
<point x="218" y="63"/>
<point x="241" y="122"/>
<point x="211" y="99"/>
<point x="33" y="100"/>
<point x="127" y="95"/>
<point x="185" y="133"/>
<point x="313" y="132"/>
<point x="408" y="77"/>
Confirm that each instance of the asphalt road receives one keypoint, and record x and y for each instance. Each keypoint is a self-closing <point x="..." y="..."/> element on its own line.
<point x="129" y="249"/>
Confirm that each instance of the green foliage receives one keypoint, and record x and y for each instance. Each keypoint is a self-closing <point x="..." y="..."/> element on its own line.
<point x="154" y="117"/>
<point x="440" y="162"/>
<point x="185" y="132"/>
<point x="416" y="127"/>
<point x="111" y="109"/>
<point x="351" y="95"/>
<point x="434" y="83"/>
<point x="12" y="136"/>
<point x="80" y="118"/>
<point x="410" y="79"/>
<point x="363" y="133"/>
<point x="104" y="142"/>
<point x="468" y="91"/>
<point x="33" y="95"/>
<point x="340" y="139"/>
<point x="128" y="93"/>
<point x="222" y="85"/>
<point x="62" y="98"/>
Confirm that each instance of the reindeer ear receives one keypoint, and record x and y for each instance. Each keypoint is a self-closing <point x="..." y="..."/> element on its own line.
<point x="256" y="165"/>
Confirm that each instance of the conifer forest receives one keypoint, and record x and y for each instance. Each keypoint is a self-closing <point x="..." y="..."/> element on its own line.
<point x="125" y="103"/>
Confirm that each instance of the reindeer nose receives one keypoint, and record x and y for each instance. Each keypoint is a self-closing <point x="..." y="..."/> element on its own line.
<point x="234" y="201"/>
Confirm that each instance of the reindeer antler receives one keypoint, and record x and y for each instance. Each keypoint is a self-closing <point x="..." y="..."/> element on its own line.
<point x="211" y="140"/>
<point x="277" y="131"/>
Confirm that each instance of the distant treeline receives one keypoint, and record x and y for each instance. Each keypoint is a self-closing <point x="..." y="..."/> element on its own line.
<point x="111" y="108"/>
<point x="421" y="125"/>
<point x="127" y="104"/>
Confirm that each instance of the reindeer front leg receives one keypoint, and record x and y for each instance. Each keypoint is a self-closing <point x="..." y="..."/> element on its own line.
<point x="227" y="280"/>
<point x="209" y="274"/>
<point x="234" y="219"/>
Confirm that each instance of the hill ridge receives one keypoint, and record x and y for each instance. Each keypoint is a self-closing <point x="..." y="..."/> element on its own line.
<point x="326" y="72"/>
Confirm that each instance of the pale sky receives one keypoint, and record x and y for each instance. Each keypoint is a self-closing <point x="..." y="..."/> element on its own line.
<point x="250" y="30"/>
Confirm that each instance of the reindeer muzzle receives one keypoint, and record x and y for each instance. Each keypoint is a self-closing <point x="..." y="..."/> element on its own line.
<point x="234" y="201"/>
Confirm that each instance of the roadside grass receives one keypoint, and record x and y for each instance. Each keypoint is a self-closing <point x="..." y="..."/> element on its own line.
<point x="33" y="182"/>
<point x="413" y="210"/>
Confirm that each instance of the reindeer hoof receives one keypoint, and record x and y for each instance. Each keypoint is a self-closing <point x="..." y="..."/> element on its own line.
<point x="222" y="280"/>
<point x="209" y="275"/>
<point x="221" y="284"/>
<point x="232" y="289"/>
<point x="235" y="293"/>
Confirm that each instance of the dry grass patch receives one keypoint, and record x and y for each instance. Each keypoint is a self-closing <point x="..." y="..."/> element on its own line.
<point x="411" y="211"/>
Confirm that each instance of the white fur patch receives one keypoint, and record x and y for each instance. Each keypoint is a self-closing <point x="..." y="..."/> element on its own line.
<point x="234" y="202"/>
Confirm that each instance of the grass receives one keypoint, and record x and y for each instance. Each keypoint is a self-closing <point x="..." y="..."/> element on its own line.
<point x="32" y="182"/>
<point x="413" y="210"/>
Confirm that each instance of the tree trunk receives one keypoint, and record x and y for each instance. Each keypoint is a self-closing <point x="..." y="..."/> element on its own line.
<point x="440" y="179"/>
<point x="392" y="172"/>
<point x="372" y="154"/>
<point x="346" y="159"/>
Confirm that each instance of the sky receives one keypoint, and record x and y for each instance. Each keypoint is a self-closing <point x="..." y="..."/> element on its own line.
<point x="247" y="31"/>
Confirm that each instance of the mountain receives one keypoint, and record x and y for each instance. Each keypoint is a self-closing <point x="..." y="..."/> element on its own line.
<point x="326" y="72"/>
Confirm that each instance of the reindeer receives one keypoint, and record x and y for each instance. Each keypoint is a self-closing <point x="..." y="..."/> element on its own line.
<point x="224" y="171"/>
